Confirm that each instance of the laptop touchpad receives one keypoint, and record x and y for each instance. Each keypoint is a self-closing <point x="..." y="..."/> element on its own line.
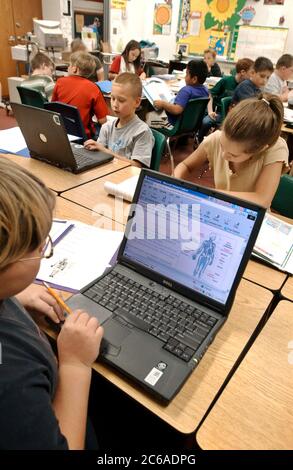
<point x="115" y="333"/>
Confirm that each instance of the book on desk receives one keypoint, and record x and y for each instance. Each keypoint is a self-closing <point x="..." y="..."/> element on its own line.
<point x="274" y="243"/>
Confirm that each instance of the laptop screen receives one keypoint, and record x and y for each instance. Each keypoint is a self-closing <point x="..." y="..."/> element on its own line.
<point x="189" y="237"/>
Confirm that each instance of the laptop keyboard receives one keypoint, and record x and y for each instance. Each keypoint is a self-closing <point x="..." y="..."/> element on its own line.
<point x="179" y="325"/>
<point x="82" y="158"/>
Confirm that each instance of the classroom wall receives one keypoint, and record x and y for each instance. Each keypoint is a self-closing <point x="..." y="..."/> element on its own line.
<point x="137" y="24"/>
<point x="268" y="15"/>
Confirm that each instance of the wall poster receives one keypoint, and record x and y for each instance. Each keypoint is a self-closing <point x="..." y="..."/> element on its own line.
<point x="162" y="18"/>
<point x="208" y="23"/>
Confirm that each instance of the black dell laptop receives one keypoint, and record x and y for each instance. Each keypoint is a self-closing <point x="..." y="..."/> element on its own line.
<point x="47" y="140"/>
<point x="181" y="259"/>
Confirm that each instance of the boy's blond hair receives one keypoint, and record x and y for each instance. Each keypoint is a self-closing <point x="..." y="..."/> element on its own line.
<point x="26" y="207"/>
<point x="77" y="45"/>
<point x="131" y="79"/>
<point x="255" y="122"/>
<point x="85" y="62"/>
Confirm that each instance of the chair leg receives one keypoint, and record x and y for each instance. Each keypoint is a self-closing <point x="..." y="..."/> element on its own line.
<point x="171" y="155"/>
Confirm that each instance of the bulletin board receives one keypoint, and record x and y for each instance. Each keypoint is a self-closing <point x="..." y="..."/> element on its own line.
<point x="82" y="18"/>
<point x="255" y="41"/>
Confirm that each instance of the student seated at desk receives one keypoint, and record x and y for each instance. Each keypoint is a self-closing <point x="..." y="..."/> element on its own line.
<point x="43" y="403"/>
<point x="128" y="61"/>
<point x="248" y="155"/>
<point x="259" y="76"/>
<point x="98" y="74"/>
<point x="78" y="91"/>
<point x="277" y="83"/>
<point x="209" y="56"/>
<point x="196" y="74"/>
<point x="127" y="136"/>
<point x="41" y="77"/>
<point x="223" y="88"/>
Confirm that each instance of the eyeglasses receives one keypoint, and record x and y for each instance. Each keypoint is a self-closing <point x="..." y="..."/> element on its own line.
<point x="47" y="251"/>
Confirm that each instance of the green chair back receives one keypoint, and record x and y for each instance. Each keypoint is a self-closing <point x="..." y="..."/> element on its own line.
<point x="225" y="104"/>
<point x="190" y="120"/>
<point x="283" y="200"/>
<point x="31" y="97"/>
<point x="158" y="149"/>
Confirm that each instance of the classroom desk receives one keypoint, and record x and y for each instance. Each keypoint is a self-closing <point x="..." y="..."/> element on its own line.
<point x="69" y="210"/>
<point x="93" y="196"/>
<point x="60" y="180"/>
<point x="287" y="290"/>
<point x="263" y="275"/>
<point x="188" y="407"/>
<point x="255" y="409"/>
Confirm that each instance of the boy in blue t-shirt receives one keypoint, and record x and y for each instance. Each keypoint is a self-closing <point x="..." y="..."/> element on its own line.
<point x="196" y="74"/>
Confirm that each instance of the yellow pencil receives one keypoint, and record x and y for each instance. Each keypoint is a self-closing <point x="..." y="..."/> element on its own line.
<point x="57" y="298"/>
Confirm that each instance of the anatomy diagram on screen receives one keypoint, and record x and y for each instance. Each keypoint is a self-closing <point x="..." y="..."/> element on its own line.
<point x="205" y="255"/>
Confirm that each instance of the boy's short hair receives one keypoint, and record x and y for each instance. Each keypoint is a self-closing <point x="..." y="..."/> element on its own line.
<point x="77" y="45"/>
<point x="85" y="62"/>
<point x="263" y="63"/>
<point x="40" y="59"/>
<point x="131" y="79"/>
<point x="286" y="60"/>
<point x="26" y="209"/>
<point x="210" y="51"/>
<point x="198" y="69"/>
<point x="244" y="64"/>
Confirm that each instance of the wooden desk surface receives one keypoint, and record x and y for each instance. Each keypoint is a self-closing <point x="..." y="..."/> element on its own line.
<point x="264" y="275"/>
<point x="60" y="180"/>
<point x="93" y="196"/>
<point x="287" y="290"/>
<point x="69" y="210"/>
<point x="187" y="409"/>
<point x="255" y="409"/>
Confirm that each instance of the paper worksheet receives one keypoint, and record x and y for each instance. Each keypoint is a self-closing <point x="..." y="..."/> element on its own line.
<point x="80" y="257"/>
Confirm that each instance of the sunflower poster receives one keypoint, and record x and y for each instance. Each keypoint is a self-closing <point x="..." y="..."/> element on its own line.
<point x="208" y="23"/>
<point x="162" y="18"/>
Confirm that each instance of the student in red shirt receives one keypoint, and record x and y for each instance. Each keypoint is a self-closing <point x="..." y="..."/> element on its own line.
<point x="78" y="91"/>
<point x="128" y="61"/>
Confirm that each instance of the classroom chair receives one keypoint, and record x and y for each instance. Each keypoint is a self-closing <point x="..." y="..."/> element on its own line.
<point x="187" y="123"/>
<point x="71" y="118"/>
<point x="158" y="149"/>
<point x="282" y="202"/>
<point x="31" y="97"/>
<point x="225" y="104"/>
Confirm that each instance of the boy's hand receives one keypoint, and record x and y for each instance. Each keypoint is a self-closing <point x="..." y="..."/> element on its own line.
<point x="159" y="104"/>
<point x="213" y="115"/>
<point x="36" y="299"/>
<point x="92" y="145"/>
<point x="79" y="340"/>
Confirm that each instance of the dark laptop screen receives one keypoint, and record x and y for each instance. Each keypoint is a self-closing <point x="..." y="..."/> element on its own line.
<point x="194" y="239"/>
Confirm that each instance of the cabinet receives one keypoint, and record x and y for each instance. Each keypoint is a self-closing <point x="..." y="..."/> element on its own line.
<point x="16" y="19"/>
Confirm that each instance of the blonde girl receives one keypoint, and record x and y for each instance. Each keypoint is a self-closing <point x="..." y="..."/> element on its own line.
<point x="248" y="155"/>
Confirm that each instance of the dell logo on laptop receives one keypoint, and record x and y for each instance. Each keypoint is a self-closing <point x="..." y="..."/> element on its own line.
<point x="167" y="283"/>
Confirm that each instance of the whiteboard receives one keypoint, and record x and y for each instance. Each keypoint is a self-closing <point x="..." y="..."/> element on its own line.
<point x="255" y="41"/>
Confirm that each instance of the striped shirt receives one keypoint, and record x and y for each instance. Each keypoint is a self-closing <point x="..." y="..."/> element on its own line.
<point x="42" y="83"/>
